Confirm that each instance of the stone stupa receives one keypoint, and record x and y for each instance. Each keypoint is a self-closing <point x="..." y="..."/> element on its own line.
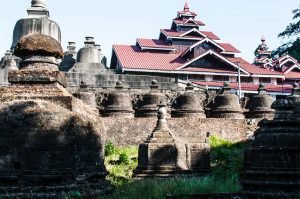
<point x="260" y="104"/>
<point x="226" y="105"/>
<point x="272" y="162"/>
<point x="52" y="143"/>
<point x="37" y="22"/>
<point x="119" y="103"/>
<point x="189" y="104"/>
<point x="165" y="155"/>
<point x="150" y="101"/>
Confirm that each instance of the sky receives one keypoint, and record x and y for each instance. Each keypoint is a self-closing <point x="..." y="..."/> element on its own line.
<point x="239" y="22"/>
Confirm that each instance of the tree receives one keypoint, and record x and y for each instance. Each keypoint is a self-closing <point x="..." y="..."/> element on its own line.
<point x="292" y="30"/>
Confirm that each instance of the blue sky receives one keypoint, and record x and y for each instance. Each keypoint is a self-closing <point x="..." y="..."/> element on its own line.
<point x="240" y="22"/>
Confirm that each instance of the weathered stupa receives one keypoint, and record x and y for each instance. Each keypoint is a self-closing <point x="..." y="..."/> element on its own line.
<point x="189" y="104"/>
<point x="87" y="96"/>
<point x="226" y="105"/>
<point x="284" y="108"/>
<point x="165" y="155"/>
<point x="37" y="22"/>
<point x="69" y="58"/>
<point x="272" y="162"/>
<point x="150" y="101"/>
<point x="119" y="103"/>
<point x="260" y="105"/>
<point x="51" y="143"/>
<point x="88" y="59"/>
<point x="295" y="96"/>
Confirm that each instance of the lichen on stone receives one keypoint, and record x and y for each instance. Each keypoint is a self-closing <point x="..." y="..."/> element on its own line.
<point x="38" y="44"/>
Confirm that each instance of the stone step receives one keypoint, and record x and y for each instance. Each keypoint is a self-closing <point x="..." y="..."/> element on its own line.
<point x="277" y="175"/>
<point x="273" y="183"/>
<point x="253" y="168"/>
<point x="55" y="189"/>
<point x="268" y="195"/>
<point x="53" y="195"/>
<point x="271" y="163"/>
<point x="271" y="186"/>
<point x="271" y="172"/>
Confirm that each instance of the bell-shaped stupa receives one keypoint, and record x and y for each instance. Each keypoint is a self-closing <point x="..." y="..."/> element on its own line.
<point x="37" y="22"/>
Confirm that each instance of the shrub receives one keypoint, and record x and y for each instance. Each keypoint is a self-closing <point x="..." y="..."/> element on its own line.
<point x="120" y="162"/>
<point x="110" y="149"/>
<point x="124" y="158"/>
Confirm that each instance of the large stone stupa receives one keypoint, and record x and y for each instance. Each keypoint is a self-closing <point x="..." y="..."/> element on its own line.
<point x="51" y="143"/>
<point x="272" y="161"/>
<point x="37" y="22"/>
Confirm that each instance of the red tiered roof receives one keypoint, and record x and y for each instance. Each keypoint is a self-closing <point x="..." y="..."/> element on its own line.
<point x="229" y="48"/>
<point x="292" y="75"/>
<point x="131" y="57"/>
<point x="187" y="22"/>
<point x="175" y="33"/>
<point x="154" y="43"/>
<point x="286" y="88"/>
<point x="253" y="69"/>
<point x="210" y="35"/>
<point x="148" y="55"/>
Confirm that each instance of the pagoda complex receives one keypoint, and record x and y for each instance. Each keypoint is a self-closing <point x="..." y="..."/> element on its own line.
<point x="191" y="54"/>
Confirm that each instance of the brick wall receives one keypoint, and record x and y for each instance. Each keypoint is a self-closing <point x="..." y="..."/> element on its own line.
<point x="135" y="131"/>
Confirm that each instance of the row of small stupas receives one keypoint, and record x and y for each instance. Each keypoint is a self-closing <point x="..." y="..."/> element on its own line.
<point x="187" y="52"/>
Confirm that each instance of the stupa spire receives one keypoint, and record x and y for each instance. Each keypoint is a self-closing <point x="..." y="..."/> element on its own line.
<point x="38" y="9"/>
<point x="39" y="3"/>
<point x="186" y="7"/>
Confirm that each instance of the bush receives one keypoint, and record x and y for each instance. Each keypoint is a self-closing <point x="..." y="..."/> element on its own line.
<point x="120" y="163"/>
<point x="110" y="149"/>
<point x="124" y="158"/>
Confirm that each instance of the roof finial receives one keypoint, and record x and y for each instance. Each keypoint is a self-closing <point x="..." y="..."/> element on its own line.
<point x="263" y="39"/>
<point x="39" y="3"/>
<point x="186" y="7"/>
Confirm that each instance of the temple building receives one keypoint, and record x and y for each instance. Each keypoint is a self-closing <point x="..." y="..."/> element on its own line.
<point x="287" y="65"/>
<point x="190" y="53"/>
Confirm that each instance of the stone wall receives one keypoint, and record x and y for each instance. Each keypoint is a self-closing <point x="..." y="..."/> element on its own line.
<point x="109" y="80"/>
<point x="135" y="131"/>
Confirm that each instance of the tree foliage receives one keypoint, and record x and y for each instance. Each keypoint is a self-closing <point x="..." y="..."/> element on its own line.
<point x="292" y="30"/>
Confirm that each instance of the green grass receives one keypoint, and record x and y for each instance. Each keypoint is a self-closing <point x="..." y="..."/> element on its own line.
<point x="157" y="189"/>
<point x="226" y="157"/>
<point x="226" y="162"/>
